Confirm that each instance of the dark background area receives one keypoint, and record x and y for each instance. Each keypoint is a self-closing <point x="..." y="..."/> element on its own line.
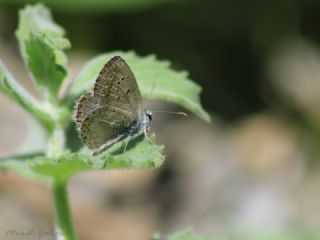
<point x="223" y="44"/>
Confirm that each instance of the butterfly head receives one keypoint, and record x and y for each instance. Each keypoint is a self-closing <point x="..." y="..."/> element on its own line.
<point x="148" y="115"/>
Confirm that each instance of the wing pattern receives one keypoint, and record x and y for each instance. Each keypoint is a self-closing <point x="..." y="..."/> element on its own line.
<point x="107" y="114"/>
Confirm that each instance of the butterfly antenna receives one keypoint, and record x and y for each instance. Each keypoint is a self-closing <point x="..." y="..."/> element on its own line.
<point x="150" y="93"/>
<point x="177" y="113"/>
<point x="152" y="88"/>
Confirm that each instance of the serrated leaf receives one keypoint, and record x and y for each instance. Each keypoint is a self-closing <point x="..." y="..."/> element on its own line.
<point x="60" y="168"/>
<point x="42" y="43"/>
<point x="140" y="153"/>
<point x="170" y="85"/>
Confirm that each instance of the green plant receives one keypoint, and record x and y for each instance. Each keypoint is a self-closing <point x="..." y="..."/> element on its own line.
<point x="42" y="46"/>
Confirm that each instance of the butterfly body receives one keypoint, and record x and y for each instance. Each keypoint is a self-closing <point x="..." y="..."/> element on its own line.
<point x="113" y="110"/>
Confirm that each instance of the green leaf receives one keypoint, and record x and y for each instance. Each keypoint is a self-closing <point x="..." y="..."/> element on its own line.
<point x="184" y="235"/>
<point x="140" y="153"/>
<point x="60" y="168"/>
<point x="23" y="168"/>
<point x="170" y="85"/>
<point x="44" y="65"/>
<point x="42" y="43"/>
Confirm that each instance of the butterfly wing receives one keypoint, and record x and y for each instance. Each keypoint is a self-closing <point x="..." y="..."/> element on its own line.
<point x="105" y="124"/>
<point x="117" y="86"/>
<point x="115" y="105"/>
<point x="85" y="105"/>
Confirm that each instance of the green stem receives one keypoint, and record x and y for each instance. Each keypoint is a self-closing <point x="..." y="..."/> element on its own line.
<point x="56" y="142"/>
<point x="63" y="215"/>
<point x="17" y="93"/>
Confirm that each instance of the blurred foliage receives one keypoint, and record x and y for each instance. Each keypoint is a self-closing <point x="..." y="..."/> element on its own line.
<point x="95" y="5"/>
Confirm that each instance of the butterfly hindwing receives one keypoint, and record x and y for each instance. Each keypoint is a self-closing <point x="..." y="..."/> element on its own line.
<point x="85" y="105"/>
<point x="105" y="124"/>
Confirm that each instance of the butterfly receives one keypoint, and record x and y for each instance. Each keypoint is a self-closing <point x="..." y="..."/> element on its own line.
<point x="114" y="109"/>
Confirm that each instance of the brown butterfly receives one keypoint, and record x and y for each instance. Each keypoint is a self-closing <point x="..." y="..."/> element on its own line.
<point x="113" y="110"/>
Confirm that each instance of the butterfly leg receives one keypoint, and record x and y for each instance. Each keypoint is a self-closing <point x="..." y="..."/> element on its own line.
<point x="126" y="143"/>
<point x="145" y="131"/>
<point x="106" y="146"/>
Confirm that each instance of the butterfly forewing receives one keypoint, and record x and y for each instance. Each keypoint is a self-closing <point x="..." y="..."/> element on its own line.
<point x="117" y="86"/>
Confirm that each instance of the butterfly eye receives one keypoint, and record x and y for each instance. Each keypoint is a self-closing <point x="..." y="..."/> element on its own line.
<point x="122" y="78"/>
<point x="118" y="82"/>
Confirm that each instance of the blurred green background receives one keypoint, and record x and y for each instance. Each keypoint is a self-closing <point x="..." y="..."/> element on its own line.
<point x="251" y="174"/>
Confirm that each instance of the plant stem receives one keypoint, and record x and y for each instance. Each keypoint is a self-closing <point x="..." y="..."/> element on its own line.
<point x="17" y="93"/>
<point x="56" y="142"/>
<point x="63" y="215"/>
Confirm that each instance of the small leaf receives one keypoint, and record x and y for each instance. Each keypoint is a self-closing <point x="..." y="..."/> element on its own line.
<point x="140" y="153"/>
<point x="22" y="168"/>
<point x="60" y="168"/>
<point x="42" y="43"/>
<point x="187" y="235"/>
<point x="170" y="85"/>
<point x="43" y="63"/>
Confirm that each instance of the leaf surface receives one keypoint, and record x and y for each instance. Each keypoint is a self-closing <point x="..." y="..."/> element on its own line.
<point x="42" y="43"/>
